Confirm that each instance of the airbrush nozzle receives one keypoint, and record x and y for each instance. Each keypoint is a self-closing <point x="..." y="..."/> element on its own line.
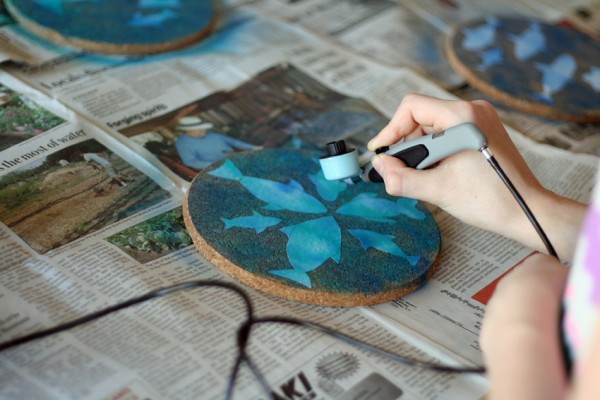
<point x="339" y="162"/>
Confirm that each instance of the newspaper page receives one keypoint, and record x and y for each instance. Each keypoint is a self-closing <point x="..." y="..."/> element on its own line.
<point x="386" y="31"/>
<point x="447" y="14"/>
<point x="131" y="238"/>
<point x="83" y="227"/>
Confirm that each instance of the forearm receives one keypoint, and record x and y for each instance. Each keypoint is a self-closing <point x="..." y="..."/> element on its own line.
<point x="465" y="186"/>
<point x="520" y="335"/>
<point x="536" y="370"/>
<point x="560" y="218"/>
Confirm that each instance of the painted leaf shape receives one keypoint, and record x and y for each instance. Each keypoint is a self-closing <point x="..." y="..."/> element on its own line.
<point x="328" y="190"/>
<point x="555" y="76"/>
<point x="310" y="244"/>
<point x="480" y="37"/>
<point x="295" y="275"/>
<point x="383" y="243"/>
<point x="278" y="196"/>
<point x="529" y="43"/>
<point x="592" y="78"/>
<point x="255" y="221"/>
<point x="373" y="208"/>
<point x="490" y="58"/>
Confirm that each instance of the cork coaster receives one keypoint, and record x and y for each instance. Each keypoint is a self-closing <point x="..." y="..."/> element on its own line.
<point x="117" y="26"/>
<point x="539" y="68"/>
<point x="270" y="219"/>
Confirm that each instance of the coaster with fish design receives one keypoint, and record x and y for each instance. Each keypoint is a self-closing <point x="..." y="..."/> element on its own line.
<point x="543" y="69"/>
<point x="117" y="26"/>
<point x="270" y="219"/>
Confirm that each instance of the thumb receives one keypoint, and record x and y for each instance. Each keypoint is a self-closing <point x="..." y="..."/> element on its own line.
<point x="404" y="181"/>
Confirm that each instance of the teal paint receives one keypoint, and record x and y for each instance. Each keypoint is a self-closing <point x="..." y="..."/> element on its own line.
<point x="533" y="63"/>
<point x="365" y="250"/>
<point x="119" y="22"/>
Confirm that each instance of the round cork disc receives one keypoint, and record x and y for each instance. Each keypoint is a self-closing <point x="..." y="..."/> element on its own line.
<point x="270" y="219"/>
<point x="117" y="26"/>
<point x="539" y="68"/>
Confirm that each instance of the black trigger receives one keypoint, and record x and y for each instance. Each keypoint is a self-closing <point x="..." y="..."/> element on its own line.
<point x="413" y="156"/>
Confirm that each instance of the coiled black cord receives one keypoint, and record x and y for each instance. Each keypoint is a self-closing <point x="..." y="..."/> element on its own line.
<point x="513" y="190"/>
<point x="243" y="333"/>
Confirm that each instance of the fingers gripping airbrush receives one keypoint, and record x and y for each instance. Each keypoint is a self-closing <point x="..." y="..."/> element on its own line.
<point x="342" y="163"/>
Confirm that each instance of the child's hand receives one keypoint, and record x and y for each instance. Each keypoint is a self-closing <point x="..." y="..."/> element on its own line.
<point x="465" y="185"/>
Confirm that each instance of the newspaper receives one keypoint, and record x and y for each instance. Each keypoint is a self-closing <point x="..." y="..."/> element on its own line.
<point x="91" y="192"/>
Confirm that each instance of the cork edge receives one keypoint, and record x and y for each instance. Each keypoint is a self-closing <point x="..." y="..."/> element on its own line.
<point x="522" y="105"/>
<point x="105" y="47"/>
<point x="274" y="288"/>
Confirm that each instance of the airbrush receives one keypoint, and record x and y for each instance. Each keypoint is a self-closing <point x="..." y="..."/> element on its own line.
<point x="341" y="162"/>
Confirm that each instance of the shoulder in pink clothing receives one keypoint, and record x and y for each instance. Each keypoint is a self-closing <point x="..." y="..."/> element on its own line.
<point x="582" y="293"/>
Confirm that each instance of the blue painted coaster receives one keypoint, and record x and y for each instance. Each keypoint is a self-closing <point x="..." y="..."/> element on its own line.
<point x="117" y="26"/>
<point x="271" y="220"/>
<point x="539" y="68"/>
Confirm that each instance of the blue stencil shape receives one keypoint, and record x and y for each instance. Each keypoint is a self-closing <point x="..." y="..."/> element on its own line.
<point x="328" y="190"/>
<point x="155" y="19"/>
<point x="556" y="75"/>
<point x="256" y="221"/>
<point x="480" y="37"/>
<point x="278" y="196"/>
<point x="383" y="243"/>
<point x="310" y="244"/>
<point x="529" y="43"/>
<point x="57" y="6"/>
<point x="314" y="247"/>
<point x="592" y="77"/>
<point x="295" y="275"/>
<point x="371" y="207"/>
<point x="491" y="57"/>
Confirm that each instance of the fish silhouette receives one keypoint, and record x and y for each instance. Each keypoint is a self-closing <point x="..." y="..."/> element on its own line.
<point x="480" y="37"/>
<point x="155" y="19"/>
<point x="529" y="43"/>
<point x="383" y="243"/>
<point x="373" y="208"/>
<point x="278" y="196"/>
<point x="491" y="57"/>
<point x="255" y="221"/>
<point x="310" y="244"/>
<point x="592" y="77"/>
<point x="555" y="76"/>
